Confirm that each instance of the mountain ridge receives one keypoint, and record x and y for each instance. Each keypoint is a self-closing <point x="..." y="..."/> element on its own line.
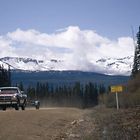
<point x="66" y="78"/>
<point x="109" y="66"/>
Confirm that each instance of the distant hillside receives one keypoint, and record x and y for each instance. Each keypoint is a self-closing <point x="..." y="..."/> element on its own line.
<point x="65" y="77"/>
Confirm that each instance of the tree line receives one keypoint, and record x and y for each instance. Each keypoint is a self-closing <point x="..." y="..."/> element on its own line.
<point x="5" y="76"/>
<point x="136" y="63"/>
<point x="76" y="94"/>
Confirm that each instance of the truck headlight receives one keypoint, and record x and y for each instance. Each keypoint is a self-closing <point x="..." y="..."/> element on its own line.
<point x="14" y="97"/>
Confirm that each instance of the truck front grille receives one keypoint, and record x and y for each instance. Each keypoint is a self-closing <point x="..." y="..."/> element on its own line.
<point x="5" y="98"/>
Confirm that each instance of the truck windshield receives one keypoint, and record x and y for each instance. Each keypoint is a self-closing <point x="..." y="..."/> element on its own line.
<point x="8" y="91"/>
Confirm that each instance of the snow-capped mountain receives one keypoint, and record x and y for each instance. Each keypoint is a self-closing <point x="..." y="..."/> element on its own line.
<point x="30" y="64"/>
<point x="116" y="66"/>
<point x="111" y="66"/>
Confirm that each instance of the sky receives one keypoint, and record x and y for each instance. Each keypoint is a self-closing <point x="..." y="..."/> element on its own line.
<point x="75" y="31"/>
<point x="110" y="18"/>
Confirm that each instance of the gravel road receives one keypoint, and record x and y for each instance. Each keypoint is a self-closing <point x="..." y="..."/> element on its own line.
<point x="31" y="124"/>
<point x="70" y="124"/>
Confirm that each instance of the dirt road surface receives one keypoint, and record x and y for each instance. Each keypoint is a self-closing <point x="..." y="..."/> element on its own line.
<point x="70" y="124"/>
<point x="31" y="124"/>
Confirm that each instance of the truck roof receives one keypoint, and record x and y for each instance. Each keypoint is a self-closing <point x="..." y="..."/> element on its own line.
<point x="9" y="88"/>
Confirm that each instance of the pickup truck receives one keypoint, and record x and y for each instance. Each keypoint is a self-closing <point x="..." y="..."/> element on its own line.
<point x="33" y="103"/>
<point x="12" y="97"/>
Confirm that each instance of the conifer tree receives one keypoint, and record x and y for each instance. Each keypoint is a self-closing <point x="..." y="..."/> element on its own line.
<point x="21" y="86"/>
<point x="5" y="76"/>
<point x="136" y="64"/>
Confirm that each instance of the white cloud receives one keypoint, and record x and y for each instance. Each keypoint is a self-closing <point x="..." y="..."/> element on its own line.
<point x="78" y="48"/>
<point x="5" y="47"/>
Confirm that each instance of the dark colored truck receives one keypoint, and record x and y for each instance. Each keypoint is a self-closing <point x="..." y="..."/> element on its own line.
<point x="12" y="97"/>
<point x="33" y="103"/>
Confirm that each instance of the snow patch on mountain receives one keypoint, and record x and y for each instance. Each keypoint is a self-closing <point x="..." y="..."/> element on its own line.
<point x="110" y="66"/>
<point x="29" y="63"/>
<point x="116" y="66"/>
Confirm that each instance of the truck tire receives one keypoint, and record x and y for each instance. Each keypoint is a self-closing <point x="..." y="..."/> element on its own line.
<point x="37" y="106"/>
<point x="4" y="108"/>
<point x="17" y="106"/>
<point x="23" y="107"/>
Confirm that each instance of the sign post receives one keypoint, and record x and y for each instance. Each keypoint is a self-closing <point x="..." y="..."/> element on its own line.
<point x="116" y="89"/>
<point x="117" y="102"/>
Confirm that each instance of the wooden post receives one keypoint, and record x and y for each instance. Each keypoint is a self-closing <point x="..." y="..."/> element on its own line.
<point x="117" y="101"/>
